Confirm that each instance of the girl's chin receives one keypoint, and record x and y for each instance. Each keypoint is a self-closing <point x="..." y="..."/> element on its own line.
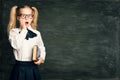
<point x="27" y="25"/>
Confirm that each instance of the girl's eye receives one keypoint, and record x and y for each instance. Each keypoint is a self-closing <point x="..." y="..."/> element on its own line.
<point x="26" y="16"/>
<point x="23" y="15"/>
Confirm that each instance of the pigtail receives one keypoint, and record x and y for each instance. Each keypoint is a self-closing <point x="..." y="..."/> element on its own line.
<point x="35" y="18"/>
<point x="12" y="21"/>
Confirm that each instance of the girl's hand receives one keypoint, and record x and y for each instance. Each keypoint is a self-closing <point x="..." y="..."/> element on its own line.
<point x="40" y="60"/>
<point x="23" y="24"/>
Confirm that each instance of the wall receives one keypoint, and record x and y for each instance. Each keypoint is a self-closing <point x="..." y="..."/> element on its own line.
<point x="81" y="39"/>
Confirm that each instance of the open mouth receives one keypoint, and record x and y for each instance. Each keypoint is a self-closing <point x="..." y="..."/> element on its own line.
<point x="26" y="22"/>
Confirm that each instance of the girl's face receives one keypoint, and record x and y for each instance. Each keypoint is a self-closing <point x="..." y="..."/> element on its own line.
<point x="26" y="16"/>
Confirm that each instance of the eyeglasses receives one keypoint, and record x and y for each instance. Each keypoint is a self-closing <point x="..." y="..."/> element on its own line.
<point x="23" y="16"/>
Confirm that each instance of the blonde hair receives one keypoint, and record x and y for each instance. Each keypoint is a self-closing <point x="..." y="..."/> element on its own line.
<point x="15" y="10"/>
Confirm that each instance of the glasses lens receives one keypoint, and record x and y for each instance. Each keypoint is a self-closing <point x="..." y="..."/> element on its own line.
<point x="26" y="16"/>
<point x="29" y="15"/>
<point x="23" y="15"/>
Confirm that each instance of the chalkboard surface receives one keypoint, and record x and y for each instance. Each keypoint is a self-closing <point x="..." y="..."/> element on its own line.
<point x="81" y="38"/>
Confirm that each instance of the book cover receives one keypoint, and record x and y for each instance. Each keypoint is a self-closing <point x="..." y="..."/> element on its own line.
<point x="35" y="53"/>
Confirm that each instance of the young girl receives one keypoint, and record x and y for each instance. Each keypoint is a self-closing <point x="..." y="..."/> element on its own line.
<point x="22" y="40"/>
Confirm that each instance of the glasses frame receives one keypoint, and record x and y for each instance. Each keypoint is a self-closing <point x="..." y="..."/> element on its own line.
<point x="23" y="16"/>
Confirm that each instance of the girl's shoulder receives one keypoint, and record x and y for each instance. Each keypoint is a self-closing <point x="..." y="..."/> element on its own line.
<point x="15" y="30"/>
<point x="37" y="32"/>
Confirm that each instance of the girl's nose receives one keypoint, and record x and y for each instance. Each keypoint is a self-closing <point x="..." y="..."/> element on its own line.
<point x="26" y="16"/>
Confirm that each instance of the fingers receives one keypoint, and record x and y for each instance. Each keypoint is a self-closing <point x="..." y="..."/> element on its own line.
<point x="40" y="60"/>
<point x="23" y="24"/>
<point x="37" y="62"/>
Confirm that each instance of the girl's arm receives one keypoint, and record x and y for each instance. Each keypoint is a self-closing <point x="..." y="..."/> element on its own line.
<point x="16" y="38"/>
<point x="42" y="50"/>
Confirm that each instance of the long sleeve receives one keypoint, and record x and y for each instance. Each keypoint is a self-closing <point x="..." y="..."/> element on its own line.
<point x="16" y="37"/>
<point x="22" y="46"/>
<point x="41" y="47"/>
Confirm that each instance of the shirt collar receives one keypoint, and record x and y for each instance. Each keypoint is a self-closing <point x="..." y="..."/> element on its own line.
<point x="29" y="27"/>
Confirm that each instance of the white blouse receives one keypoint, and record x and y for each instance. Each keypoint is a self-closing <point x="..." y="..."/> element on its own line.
<point x="22" y="48"/>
